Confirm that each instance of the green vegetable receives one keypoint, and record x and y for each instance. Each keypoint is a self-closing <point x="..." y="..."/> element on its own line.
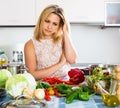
<point x="72" y="96"/>
<point x="39" y="85"/>
<point x="96" y="70"/>
<point x="86" y="89"/>
<point x="64" y="88"/>
<point x="31" y="80"/>
<point x="4" y="75"/>
<point x="81" y="93"/>
<point x="84" y="96"/>
<point x="16" y="84"/>
<point x="44" y="85"/>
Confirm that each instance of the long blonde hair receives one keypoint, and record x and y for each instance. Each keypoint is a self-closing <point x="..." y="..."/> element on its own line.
<point x="38" y="32"/>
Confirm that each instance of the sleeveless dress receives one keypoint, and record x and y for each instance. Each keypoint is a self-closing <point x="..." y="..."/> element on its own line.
<point x="48" y="54"/>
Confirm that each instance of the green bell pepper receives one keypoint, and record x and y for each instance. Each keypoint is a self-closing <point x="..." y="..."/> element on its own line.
<point x="84" y="96"/>
<point x="72" y="96"/>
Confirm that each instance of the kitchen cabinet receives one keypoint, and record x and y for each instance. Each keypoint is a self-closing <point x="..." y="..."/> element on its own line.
<point x="112" y="0"/>
<point x="26" y="12"/>
<point x="17" y="12"/>
<point x="112" y="13"/>
<point x="77" y="11"/>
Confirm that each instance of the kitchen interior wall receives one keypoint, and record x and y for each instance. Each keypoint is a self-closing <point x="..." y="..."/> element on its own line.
<point x="92" y="43"/>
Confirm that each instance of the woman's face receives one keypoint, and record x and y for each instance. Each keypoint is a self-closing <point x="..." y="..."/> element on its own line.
<point x="51" y="25"/>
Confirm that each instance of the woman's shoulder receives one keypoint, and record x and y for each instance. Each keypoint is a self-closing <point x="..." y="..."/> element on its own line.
<point x="29" y="43"/>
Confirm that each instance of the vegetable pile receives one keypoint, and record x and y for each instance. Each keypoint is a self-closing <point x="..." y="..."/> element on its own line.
<point x="82" y="92"/>
<point x="25" y="85"/>
<point x="76" y="76"/>
<point x="54" y="80"/>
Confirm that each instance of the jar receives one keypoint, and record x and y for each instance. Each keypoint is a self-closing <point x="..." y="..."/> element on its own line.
<point x="3" y="58"/>
<point x="110" y="100"/>
<point x="22" y="68"/>
<point x="16" y="68"/>
<point x="13" y="68"/>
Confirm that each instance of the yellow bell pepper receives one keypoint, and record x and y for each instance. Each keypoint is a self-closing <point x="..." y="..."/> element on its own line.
<point x="51" y="91"/>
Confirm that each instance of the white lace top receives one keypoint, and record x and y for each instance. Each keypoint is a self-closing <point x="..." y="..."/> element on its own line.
<point x="48" y="54"/>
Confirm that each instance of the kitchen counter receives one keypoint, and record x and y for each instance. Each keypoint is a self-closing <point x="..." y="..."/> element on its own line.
<point x="94" y="102"/>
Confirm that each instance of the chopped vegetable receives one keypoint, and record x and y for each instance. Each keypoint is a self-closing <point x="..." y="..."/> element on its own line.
<point x="96" y="70"/>
<point x="100" y="76"/>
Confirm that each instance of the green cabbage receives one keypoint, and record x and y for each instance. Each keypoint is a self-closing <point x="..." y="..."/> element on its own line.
<point x="17" y="83"/>
<point x="31" y="80"/>
<point x="4" y="75"/>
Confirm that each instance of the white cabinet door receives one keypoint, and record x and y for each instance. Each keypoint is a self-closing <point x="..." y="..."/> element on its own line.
<point x="88" y="11"/>
<point x="17" y="12"/>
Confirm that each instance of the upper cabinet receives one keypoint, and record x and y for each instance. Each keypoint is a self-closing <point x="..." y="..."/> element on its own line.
<point x="112" y="13"/>
<point x="17" y="12"/>
<point x="26" y="12"/>
<point x="77" y="11"/>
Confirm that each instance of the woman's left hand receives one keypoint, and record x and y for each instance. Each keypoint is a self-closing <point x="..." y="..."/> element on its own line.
<point x="65" y="28"/>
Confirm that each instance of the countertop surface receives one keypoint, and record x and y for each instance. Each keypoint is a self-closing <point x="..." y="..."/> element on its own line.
<point x="94" y="102"/>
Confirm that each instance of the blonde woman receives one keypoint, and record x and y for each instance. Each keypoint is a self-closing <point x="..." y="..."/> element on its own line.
<point x="50" y="51"/>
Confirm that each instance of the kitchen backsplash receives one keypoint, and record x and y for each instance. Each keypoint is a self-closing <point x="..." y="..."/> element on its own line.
<point x="14" y="52"/>
<point x="93" y="44"/>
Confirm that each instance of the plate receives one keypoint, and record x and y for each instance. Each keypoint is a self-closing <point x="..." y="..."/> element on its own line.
<point x="24" y="103"/>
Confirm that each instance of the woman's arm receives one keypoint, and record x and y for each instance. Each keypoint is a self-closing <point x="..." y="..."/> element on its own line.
<point x="69" y="51"/>
<point x="31" y="63"/>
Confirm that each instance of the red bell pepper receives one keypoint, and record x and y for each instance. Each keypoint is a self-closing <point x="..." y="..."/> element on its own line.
<point x="47" y="95"/>
<point x="57" y="93"/>
<point x="53" y="80"/>
<point x="76" y="76"/>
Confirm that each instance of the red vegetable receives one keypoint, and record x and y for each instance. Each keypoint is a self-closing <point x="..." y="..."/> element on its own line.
<point x="53" y="80"/>
<point x="47" y="95"/>
<point x="57" y="93"/>
<point x="76" y="76"/>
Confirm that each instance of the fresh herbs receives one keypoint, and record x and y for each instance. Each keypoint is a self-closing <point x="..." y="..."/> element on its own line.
<point x="99" y="73"/>
<point x="102" y="76"/>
